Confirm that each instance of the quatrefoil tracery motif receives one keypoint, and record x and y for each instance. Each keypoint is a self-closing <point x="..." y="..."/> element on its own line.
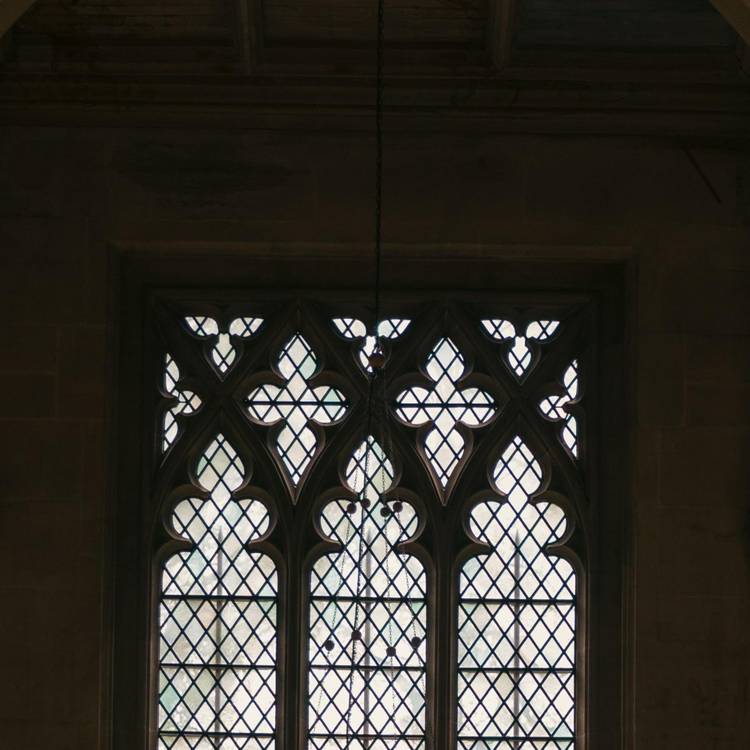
<point x="297" y="405"/>
<point x="445" y="406"/>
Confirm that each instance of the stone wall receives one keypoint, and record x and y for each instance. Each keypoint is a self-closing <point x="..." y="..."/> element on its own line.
<point x="682" y="214"/>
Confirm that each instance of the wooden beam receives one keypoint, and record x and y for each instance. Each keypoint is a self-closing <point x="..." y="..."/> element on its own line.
<point x="500" y="25"/>
<point x="736" y="13"/>
<point x="11" y="11"/>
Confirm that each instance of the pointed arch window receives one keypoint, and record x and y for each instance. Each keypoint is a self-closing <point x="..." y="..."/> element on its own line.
<point x="517" y="617"/>
<point x="367" y="617"/>
<point x="329" y="575"/>
<point x="217" y="616"/>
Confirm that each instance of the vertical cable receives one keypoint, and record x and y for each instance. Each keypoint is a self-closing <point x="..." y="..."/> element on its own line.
<point x="375" y="372"/>
<point x="378" y="198"/>
<point x="379" y="158"/>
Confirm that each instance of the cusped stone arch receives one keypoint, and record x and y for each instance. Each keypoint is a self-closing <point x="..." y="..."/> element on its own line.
<point x="367" y="612"/>
<point x="517" y="619"/>
<point x="217" y="611"/>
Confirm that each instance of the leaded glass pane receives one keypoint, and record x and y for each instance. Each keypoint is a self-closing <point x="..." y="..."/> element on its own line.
<point x="367" y="619"/>
<point x="185" y="402"/>
<point x="217" y="618"/>
<point x="519" y="356"/>
<point x="444" y="406"/>
<point x="296" y="404"/>
<point x="554" y="408"/>
<point x="363" y="680"/>
<point x="223" y="352"/>
<point x="516" y="619"/>
<point x="353" y="328"/>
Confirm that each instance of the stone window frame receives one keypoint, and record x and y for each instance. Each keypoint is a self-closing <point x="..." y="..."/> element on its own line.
<point x="145" y="273"/>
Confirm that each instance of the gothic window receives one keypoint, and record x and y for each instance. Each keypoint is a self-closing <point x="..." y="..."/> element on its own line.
<point x="367" y="617"/>
<point x="217" y="616"/>
<point x="516" y="620"/>
<point x="369" y="535"/>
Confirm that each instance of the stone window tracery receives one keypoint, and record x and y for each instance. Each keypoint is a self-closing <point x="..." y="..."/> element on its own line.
<point x="350" y="575"/>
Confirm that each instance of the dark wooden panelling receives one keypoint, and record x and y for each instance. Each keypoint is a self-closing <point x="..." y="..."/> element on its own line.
<point x="667" y="24"/>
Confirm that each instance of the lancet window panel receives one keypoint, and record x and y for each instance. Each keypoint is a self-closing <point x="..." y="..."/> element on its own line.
<point x="368" y="618"/>
<point x="217" y="617"/>
<point x="517" y="618"/>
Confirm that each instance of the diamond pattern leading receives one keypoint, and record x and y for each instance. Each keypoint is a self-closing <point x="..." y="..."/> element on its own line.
<point x="519" y="356"/>
<point x="217" y="618"/>
<point x="516" y="620"/>
<point x="554" y="408"/>
<point x="367" y="619"/>
<point x="296" y="404"/>
<point x="444" y="406"/>
<point x="355" y="329"/>
<point x="187" y="403"/>
<point x="223" y="351"/>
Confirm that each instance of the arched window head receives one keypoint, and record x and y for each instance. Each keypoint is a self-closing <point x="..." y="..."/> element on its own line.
<point x="367" y="618"/>
<point x="217" y="617"/>
<point x="516" y="618"/>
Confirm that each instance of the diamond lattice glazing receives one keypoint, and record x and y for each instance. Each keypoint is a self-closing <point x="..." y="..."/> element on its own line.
<point x="554" y="408"/>
<point x="223" y="352"/>
<point x="516" y="619"/>
<point x="187" y="403"/>
<point x="444" y="406"/>
<point x="217" y="618"/>
<point x="353" y="328"/>
<point x="367" y="619"/>
<point x="296" y="404"/>
<point x="519" y="357"/>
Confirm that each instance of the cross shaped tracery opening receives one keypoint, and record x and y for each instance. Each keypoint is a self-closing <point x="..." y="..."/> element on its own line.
<point x="444" y="406"/>
<point x="296" y="404"/>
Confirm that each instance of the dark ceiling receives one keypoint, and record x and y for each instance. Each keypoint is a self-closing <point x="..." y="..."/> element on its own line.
<point x="227" y="37"/>
<point x="486" y="56"/>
